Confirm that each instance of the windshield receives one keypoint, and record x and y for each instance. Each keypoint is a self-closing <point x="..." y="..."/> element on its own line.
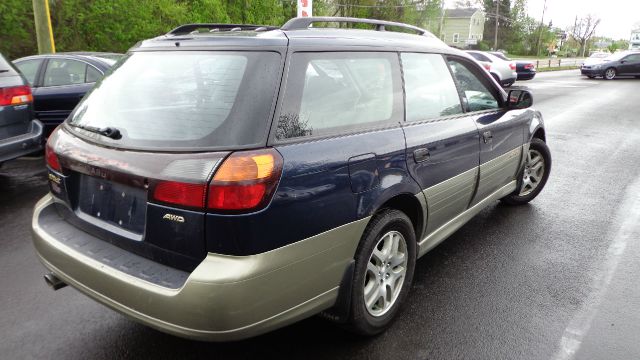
<point x="183" y="100"/>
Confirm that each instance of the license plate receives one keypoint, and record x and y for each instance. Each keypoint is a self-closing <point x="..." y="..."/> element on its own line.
<point x="117" y="204"/>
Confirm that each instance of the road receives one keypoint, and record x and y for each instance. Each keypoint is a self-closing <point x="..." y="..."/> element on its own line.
<point x="557" y="279"/>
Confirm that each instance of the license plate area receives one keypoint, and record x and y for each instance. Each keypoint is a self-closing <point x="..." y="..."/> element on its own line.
<point x="116" y="204"/>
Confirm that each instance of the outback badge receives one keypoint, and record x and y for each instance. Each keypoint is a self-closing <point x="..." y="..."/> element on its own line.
<point x="173" y="217"/>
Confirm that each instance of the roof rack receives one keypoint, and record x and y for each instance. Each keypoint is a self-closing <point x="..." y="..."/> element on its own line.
<point x="191" y="28"/>
<point x="301" y="23"/>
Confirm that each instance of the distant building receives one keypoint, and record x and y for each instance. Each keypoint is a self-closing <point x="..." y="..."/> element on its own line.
<point x="634" y="41"/>
<point x="462" y="27"/>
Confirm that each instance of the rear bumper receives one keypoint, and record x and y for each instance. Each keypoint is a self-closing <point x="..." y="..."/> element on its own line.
<point x="24" y="144"/>
<point x="224" y="298"/>
<point x="526" y="75"/>
<point x="509" y="79"/>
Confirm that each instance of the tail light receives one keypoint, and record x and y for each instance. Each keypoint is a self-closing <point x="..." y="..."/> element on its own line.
<point x="245" y="181"/>
<point x="512" y="66"/>
<point x="180" y="193"/>
<point x="487" y="66"/>
<point x="529" y="66"/>
<point x="17" y="95"/>
<point x="52" y="158"/>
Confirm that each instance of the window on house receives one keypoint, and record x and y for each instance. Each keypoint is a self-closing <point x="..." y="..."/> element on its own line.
<point x="456" y="37"/>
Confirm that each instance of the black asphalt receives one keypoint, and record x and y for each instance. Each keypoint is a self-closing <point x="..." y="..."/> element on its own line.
<point x="557" y="279"/>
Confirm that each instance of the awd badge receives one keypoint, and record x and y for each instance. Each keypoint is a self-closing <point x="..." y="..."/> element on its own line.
<point x="172" y="217"/>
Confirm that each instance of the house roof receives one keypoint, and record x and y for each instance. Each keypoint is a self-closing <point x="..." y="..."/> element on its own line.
<point x="460" y="13"/>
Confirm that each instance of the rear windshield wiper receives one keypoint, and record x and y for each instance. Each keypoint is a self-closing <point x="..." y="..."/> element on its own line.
<point x="2" y="70"/>
<point x="108" y="131"/>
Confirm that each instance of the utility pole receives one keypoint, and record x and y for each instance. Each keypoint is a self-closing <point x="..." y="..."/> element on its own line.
<point x="44" y="32"/>
<point x="541" y="26"/>
<point x="495" y="37"/>
<point x="441" y="25"/>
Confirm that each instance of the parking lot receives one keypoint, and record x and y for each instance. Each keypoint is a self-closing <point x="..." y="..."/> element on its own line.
<point x="555" y="279"/>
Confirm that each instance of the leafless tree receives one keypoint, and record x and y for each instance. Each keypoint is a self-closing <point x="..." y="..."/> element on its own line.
<point x="583" y="29"/>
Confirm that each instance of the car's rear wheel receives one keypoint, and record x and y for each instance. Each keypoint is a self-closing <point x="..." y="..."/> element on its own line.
<point x="384" y="265"/>
<point x="534" y="174"/>
<point x="609" y="74"/>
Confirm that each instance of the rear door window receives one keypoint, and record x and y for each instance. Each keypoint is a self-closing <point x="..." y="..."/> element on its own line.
<point x="476" y="91"/>
<point x="92" y="74"/>
<point x="429" y="87"/>
<point x="61" y="72"/>
<point x="174" y="100"/>
<point x="330" y="93"/>
<point x="29" y="68"/>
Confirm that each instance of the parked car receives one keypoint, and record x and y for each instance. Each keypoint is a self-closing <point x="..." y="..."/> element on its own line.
<point x="504" y="72"/>
<point x="525" y="69"/>
<point x="208" y="216"/>
<point x="60" y="80"/>
<point x="625" y="63"/>
<point x="19" y="133"/>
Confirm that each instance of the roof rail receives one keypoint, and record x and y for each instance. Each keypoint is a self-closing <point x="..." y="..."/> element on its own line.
<point x="301" y="23"/>
<point x="190" y="28"/>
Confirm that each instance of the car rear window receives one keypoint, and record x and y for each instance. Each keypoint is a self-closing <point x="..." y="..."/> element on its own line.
<point x="184" y="100"/>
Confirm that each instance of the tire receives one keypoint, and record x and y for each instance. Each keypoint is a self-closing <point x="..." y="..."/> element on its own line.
<point x="527" y="189"/>
<point x="609" y="74"/>
<point x="496" y="78"/>
<point x="387" y="227"/>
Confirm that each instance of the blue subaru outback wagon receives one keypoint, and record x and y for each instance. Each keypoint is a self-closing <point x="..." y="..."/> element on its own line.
<point x="227" y="180"/>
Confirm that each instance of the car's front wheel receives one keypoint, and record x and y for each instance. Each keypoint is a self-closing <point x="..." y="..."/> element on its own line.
<point x="609" y="74"/>
<point x="534" y="174"/>
<point x="384" y="265"/>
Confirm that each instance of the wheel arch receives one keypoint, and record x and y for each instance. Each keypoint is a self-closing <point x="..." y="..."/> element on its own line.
<point x="540" y="134"/>
<point x="411" y="206"/>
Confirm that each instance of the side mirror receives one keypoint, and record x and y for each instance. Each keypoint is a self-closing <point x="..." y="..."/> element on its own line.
<point x="519" y="99"/>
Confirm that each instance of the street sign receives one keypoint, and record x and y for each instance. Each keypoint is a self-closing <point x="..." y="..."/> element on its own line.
<point x="472" y="41"/>
<point x="304" y="8"/>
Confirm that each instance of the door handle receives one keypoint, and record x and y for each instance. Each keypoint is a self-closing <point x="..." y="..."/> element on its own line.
<point x="421" y="154"/>
<point x="487" y="136"/>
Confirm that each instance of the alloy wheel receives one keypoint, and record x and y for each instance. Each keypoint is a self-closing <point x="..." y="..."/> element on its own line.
<point x="385" y="273"/>
<point x="610" y="73"/>
<point x="533" y="172"/>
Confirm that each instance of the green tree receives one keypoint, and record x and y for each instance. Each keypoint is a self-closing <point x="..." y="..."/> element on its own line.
<point x="17" y="29"/>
